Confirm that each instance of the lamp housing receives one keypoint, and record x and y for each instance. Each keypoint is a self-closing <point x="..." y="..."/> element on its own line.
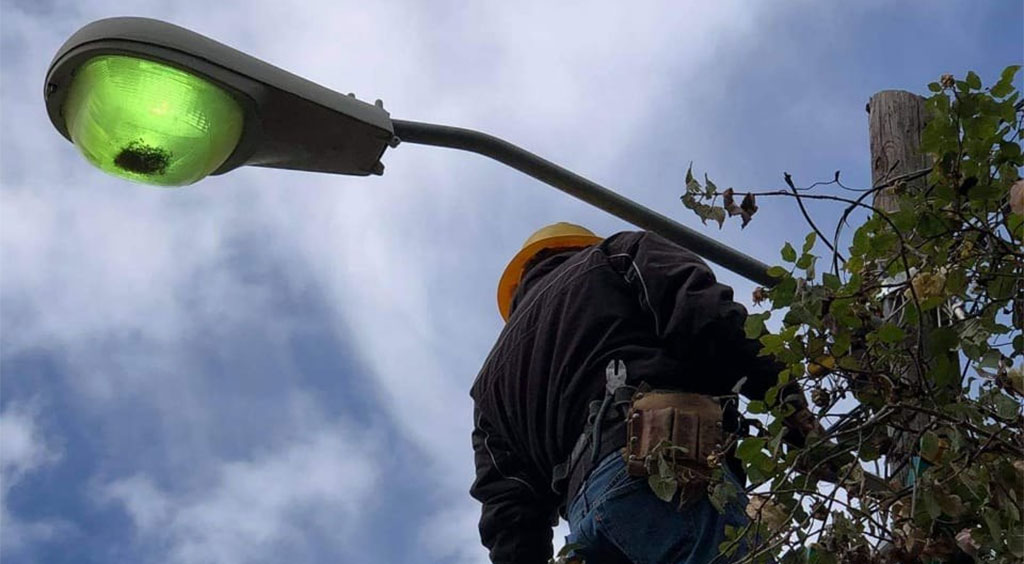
<point x="285" y="121"/>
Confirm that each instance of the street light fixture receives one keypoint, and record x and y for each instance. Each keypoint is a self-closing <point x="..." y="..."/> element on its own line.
<point x="159" y="104"/>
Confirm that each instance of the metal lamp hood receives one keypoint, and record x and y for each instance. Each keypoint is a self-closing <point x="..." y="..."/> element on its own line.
<point x="140" y="97"/>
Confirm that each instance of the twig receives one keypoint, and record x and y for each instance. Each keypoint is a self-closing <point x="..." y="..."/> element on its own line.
<point x="807" y="216"/>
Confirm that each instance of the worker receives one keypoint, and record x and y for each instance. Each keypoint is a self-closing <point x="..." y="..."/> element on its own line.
<point x="591" y="325"/>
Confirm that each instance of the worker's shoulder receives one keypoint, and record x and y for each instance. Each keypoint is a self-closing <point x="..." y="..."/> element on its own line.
<point x="647" y="239"/>
<point x="623" y="241"/>
<point x="631" y="242"/>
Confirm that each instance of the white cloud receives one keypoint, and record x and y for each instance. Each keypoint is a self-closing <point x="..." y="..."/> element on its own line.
<point x="24" y="449"/>
<point x="273" y="507"/>
<point x="451" y="536"/>
<point x="22" y="444"/>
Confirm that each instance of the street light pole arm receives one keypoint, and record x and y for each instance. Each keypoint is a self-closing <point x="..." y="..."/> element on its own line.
<point x="590" y="192"/>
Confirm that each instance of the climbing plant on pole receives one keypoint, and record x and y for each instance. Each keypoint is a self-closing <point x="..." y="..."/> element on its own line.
<point x="910" y="334"/>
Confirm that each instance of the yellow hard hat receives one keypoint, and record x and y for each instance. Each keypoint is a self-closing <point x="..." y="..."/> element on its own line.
<point x="559" y="235"/>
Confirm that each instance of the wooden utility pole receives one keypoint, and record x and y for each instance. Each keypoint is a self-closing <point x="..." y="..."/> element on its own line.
<point x="896" y="121"/>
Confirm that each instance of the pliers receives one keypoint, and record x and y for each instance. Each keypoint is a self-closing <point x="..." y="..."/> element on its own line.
<point x="615" y="378"/>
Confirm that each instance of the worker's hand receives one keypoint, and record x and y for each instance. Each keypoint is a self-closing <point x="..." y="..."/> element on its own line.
<point x="801" y="427"/>
<point x="801" y="424"/>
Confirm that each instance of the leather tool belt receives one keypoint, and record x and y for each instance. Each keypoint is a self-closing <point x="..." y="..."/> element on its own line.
<point x="658" y="420"/>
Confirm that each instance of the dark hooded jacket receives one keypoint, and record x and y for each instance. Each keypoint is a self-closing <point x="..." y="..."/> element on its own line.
<point x="634" y="297"/>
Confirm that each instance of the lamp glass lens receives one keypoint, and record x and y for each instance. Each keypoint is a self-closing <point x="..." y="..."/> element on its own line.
<point x="150" y="122"/>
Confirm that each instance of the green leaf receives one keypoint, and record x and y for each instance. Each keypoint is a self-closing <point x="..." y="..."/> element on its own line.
<point x="729" y="546"/>
<point x="564" y="552"/>
<point x="931" y="504"/>
<point x="943" y="339"/>
<point x="724" y="494"/>
<point x="1009" y="151"/>
<point x="806" y="261"/>
<point x="689" y="174"/>
<point x="831" y="281"/>
<point x="771" y="343"/>
<point x="1006" y="407"/>
<point x="951" y="505"/>
<point x="860" y="242"/>
<point x="764" y="464"/>
<point x="1000" y="287"/>
<point x="753" y="327"/>
<point x="868" y="452"/>
<point x="663" y="487"/>
<point x="757" y="406"/>
<point x="956" y="282"/>
<point x="750" y="448"/>
<point x="777" y="272"/>
<point x="973" y="80"/>
<point x="772" y="394"/>
<point x="849" y="362"/>
<point x="889" y="333"/>
<point x="929" y="224"/>
<point x="944" y="372"/>
<point x="931" y="303"/>
<point x="788" y="253"/>
<point x="809" y="241"/>
<point x="1005" y="85"/>
<point x="904" y="219"/>
<point x="930" y="446"/>
<point x="991" y="517"/>
<point x="990" y="359"/>
<point x="1015" y="225"/>
<point x="841" y="344"/>
<point x="882" y="242"/>
<point x="783" y="292"/>
<point x="1015" y="539"/>
<point x="934" y="87"/>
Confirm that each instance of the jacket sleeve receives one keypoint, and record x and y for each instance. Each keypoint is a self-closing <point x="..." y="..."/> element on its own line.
<point x="516" y="522"/>
<point x="696" y="317"/>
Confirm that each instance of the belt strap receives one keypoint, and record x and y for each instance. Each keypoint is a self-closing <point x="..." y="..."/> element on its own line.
<point x="567" y="476"/>
<point x="613" y="439"/>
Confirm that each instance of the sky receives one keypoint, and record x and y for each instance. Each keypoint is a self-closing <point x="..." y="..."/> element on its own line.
<point x="274" y="365"/>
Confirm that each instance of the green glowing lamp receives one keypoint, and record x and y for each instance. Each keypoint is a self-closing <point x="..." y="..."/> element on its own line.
<point x="159" y="104"/>
<point x="149" y="122"/>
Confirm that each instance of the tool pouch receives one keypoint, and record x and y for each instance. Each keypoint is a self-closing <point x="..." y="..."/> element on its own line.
<point x="690" y="421"/>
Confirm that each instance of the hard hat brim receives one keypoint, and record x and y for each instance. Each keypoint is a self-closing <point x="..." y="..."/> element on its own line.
<point x="514" y="271"/>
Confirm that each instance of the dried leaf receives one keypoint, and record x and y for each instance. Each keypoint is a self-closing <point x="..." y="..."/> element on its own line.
<point x="729" y="203"/>
<point x="760" y="295"/>
<point x="748" y="208"/>
<point x="1017" y="197"/>
<point x="718" y="214"/>
<point x="761" y="508"/>
<point x="709" y="187"/>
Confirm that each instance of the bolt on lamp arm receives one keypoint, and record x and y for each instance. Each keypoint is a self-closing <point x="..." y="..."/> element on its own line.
<point x="583" y="189"/>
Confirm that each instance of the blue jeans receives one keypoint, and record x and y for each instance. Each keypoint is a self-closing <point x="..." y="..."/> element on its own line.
<point x="617" y="519"/>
